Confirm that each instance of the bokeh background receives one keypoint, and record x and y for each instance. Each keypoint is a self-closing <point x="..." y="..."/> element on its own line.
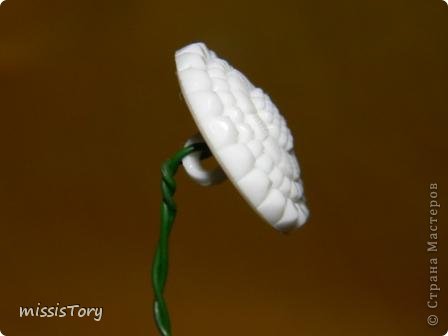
<point x="90" y="107"/>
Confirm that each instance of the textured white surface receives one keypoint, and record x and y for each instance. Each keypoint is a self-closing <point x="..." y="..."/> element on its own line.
<point x="246" y="134"/>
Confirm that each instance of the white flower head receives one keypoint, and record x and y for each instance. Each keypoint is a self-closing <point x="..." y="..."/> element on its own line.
<point x="246" y="134"/>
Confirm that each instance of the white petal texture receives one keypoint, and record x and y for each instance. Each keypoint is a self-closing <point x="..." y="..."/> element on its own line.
<point x="246" y="134"/>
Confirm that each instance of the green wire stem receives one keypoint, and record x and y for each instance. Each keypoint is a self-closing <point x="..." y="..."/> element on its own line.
<point x="167" y="215"/>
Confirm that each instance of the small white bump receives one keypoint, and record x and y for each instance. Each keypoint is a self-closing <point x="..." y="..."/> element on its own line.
<point x="236" y="83"/>
<point x="290" y="142"/>
<point x="235" y="114"/>
<point x="195" y="80"/>
<point x="258" y="126"/>
<point x="283" y="138"/>
<point x="265" y="163"/>
<point x="244" y="103"/>
<point x="302" y="213"/>
<point x="289" y="218"/>
<point x="257" y="93"/>
<point x="274" y="130"/>
<point x="285" y="186"/>
<point x="219" y="84"/>
<point x="258" y="103"/>
<point x="276" y="177"/>
<point x="257" y="184"/>
<point x="196" y="48"/>
<point x="206" y="104"/>
<point x="190" y="60"/>
<point x="272" y="149"/>
<point x="246" y="133"/>
<point x="227" y="98"/>
<point x="256" y="147"/>
<point x="217" y="73"/>
<point x="272" y="207"/>
<point x="222" y="132"/>
<point x="238" y="159"/>
<point x="266" y="116"/>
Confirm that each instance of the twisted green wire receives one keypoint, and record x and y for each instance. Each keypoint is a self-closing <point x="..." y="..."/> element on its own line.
<point x="168" y="213"/>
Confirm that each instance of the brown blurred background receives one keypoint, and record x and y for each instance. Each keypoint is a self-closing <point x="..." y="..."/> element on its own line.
<point x="90" y="107"/>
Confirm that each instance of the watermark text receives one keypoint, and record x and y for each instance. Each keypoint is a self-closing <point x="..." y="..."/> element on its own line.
<point x="59" y="311"/>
